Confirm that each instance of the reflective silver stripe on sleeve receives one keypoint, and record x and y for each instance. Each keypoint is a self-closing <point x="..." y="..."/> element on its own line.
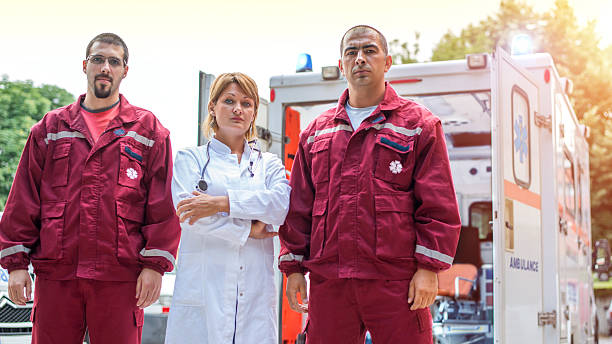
<point x="63" y="134"/>
<point x="290" y="257"/>
<point x="14" y="249"/>
<point x="145" y="141"/>
<point x="399" y="130"/>
<point x="434" y="254"/>
<point x="158" y="253"/>
<point x="329" y="130"/>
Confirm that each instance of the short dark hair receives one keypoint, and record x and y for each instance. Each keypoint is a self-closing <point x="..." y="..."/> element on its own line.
<point x="109" y="38"/>
<point x="364" y="28"/>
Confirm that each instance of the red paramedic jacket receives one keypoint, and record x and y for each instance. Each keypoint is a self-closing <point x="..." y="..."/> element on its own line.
<point x="375" y="203"/>
<point x="100" y="211"/>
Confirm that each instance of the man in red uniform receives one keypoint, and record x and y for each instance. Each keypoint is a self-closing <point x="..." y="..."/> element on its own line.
<point x="373" y="215"/>
<point x="91" y="209"/>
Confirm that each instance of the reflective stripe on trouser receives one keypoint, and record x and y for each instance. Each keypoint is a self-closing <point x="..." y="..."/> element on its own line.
<point x="341" y="310"/>
<point x="63" y="309"/>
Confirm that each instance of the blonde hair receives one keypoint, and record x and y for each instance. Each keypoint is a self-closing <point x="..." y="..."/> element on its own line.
<point x="247" y="85"/>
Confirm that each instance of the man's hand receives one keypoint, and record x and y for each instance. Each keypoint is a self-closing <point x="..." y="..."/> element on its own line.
<point x="148" y="287"/>
<point x="423" y="289"/>
<point x="296" y="283"/>
<point x="200" y="206"/>
<point x="259" y="231"/>
<point x="18" y="280"/>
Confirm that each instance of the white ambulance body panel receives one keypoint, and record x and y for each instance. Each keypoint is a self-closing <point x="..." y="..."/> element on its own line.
<point x="516" y="203"/>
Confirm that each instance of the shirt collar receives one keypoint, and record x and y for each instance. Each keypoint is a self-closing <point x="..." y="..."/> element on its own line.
<point x="391" y="101"/>
<point x="222" y="148"/>
<point x="127" y="113"/>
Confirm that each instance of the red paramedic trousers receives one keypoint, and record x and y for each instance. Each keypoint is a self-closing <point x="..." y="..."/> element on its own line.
<point x="64" y="309"/>
<point x="340" y="311"/>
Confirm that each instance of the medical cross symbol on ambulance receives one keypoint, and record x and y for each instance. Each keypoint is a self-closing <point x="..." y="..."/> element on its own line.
<point x="395" y="167"/>
<point x="131" y="173"/>
<point x="520" y="142"/>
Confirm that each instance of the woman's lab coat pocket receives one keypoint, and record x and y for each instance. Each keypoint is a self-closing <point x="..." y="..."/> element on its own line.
<point x="189" y="284"/>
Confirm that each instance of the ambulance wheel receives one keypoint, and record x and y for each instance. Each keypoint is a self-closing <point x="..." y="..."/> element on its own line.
<point x="603" y="276"/>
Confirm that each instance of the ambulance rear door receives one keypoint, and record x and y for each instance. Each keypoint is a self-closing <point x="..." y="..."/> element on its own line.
<point x="517" y="229"/>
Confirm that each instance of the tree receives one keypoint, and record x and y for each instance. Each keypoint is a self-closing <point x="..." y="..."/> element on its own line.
<point x="402" y="53"/>
<point x="513" y="18"/>
<point x="21" y="105"/>
<point x="578" y="56"/>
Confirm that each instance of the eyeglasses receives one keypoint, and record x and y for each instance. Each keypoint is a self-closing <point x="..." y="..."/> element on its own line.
<point x="99" y="59"/>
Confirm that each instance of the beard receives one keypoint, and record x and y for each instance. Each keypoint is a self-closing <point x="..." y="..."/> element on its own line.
<point x="102" y="91"/>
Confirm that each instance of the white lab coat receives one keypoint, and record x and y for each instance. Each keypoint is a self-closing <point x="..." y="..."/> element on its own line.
<point x="225" y="280"/>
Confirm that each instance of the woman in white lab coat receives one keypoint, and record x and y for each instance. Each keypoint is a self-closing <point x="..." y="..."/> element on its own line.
<point x="228" y="195"/>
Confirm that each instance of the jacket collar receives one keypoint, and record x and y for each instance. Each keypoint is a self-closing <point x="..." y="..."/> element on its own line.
<point x="391" y="101"/>
<point x="127" y="113"/>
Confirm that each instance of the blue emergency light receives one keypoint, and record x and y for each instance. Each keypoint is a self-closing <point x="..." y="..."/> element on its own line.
<point x="304" y="63"/>
<point x="522" y="44"/>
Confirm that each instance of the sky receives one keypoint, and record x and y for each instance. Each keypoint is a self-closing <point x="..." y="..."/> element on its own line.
<point x="45" y="41"/>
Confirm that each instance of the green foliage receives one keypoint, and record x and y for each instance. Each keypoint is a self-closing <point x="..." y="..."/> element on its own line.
<point x="513" y="18"/>
<point x="21" y="105"/>
<point x="600" y="152"/>
<point x="402" y="53"/>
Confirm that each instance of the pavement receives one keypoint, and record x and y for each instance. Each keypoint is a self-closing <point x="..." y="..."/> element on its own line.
<point x="605" y="340"/>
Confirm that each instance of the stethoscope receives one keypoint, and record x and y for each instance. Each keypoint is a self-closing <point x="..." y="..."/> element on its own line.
<point x="202" y="186"/>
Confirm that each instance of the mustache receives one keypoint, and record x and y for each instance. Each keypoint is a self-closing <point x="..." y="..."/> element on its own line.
<point x="360" y="69"/>
<point x="104" y="76"/>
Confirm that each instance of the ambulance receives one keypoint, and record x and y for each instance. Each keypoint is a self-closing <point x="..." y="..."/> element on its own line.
<point x="520" y="165"/>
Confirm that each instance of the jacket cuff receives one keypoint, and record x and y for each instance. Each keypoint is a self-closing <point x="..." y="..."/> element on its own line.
<point x="154" y="267"/>
<point x="430" y="268"/>
<point x="289" y="268"/>
<point x="11" y="268"/>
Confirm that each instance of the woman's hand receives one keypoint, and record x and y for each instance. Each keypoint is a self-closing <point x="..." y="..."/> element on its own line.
<point x="200" y="206"/>
<point x="259" y="231"/>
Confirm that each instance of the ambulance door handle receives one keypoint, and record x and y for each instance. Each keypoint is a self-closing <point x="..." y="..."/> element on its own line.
<point x="563" y="225"/>
<point x="543" y="121"/>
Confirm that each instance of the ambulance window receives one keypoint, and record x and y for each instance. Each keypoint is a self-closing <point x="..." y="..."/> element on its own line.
<point x="309" y="111"/>
<point x="465" y="117"/>
<point x="521" y="157"/>
<point x="481" y="215"/>
<point x="569" y="193"/>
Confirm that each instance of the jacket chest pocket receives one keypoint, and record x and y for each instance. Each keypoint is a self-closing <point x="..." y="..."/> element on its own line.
<point x="61" y="164"/>
<point x="319" y="152"/>
<point x="130" y="166"/>
<point x="394" y="159"/>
